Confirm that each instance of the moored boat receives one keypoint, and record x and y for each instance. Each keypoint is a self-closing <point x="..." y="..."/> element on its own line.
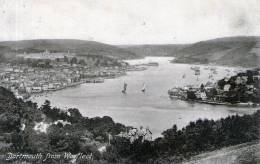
<point x="143" y="88"/>
<point x="124" y="87"/>
<point x="95" y="80"/>
<point x="197" y="72"/>
<point x="152" y="64"/>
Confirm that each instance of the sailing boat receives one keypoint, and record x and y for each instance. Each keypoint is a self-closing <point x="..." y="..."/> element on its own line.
<point x="144" y="87"/>
<point x="125" y="87"/>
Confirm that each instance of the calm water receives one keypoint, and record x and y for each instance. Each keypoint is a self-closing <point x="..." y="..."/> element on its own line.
<point x="152" y="108"/>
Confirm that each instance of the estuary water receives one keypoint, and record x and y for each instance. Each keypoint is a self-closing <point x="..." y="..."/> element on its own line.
<point x="153" y="108"/>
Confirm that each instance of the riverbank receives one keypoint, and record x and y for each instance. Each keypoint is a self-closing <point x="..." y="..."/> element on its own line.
<point x="95" y="79"/>
<point x="74" y="84"/>
<point x="249" y="104"/>
<point x="240" y="90"/>
<point x="136" y="108"/>
<point x="90" y="80"/>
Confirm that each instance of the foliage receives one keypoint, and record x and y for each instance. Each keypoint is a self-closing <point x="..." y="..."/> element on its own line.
<point x="82" y="134"/>
<point x="239" y="91"/>
<point x="197" y="137"/>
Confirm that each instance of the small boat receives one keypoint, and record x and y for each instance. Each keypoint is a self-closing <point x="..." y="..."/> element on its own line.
<point x="136" y="68"/>
<point x="197" y="72"/>
<point x="152" y="64"/>
<point x="195" y="67"/>
<point x="227" y="70"/>
<point x="124" y="89"/>
<point x="184" y="76"/>
<point x="144" y="88"/>
<point x="95" y="80"/>
<point x="99" y="80"/>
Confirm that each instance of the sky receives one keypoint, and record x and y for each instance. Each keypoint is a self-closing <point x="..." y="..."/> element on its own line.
<point x="129" y="21"/>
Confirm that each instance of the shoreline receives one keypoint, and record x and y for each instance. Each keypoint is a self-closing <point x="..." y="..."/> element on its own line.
<point x="92" y="101"/>
<point x="242" y="105"/>
<point x="133" y="67"/>
<point x="91" y="80"/>
<point x="54" y="90"/>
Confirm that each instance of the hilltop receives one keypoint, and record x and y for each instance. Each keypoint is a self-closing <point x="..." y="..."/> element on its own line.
<point x="63" y="45"/>
<point x="232" y="51"/>
<point x="154" y="50"/>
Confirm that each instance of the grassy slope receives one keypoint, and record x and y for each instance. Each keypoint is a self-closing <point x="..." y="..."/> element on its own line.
<point x="239" y="51"/>
<point x="63" y="45"/>
<point x="243" y="153"/>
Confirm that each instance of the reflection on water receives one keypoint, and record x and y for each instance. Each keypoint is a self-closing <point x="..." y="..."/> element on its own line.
<point x="152" y="108"/>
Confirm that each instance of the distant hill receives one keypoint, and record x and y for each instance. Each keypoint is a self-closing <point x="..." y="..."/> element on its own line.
<point x="63" y="45"/>
<point x="232" y="51"/>
<point x="154" y="50"/>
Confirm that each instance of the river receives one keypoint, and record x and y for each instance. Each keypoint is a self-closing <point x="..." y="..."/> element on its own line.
<point x="153" y="108"/>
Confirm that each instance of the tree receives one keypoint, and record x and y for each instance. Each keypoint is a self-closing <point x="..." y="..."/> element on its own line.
<point x="75" y="115"/>
<point x="202" y="87"/>
<point x="191" y="95"/>
<point x="82" y="62"/>
<point x="65" y="58"/>
<point x="74" y="60"/>
<point x="46" y="107"/>
<point x="57" y="59"/>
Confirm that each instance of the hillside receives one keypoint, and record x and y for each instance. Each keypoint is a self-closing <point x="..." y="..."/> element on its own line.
<point x="154" y="50"/>
<point x="63" y="45"/>
<point x="232" y="51"/>
<point x="26" y="128"/>
<point x="239" y="154"/>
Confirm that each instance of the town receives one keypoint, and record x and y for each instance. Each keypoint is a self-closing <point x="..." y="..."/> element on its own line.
<point x="43" y="72"/>
<point x="242" y="89"/>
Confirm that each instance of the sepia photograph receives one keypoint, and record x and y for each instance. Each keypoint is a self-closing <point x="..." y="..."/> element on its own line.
<point x="129" y="82"/>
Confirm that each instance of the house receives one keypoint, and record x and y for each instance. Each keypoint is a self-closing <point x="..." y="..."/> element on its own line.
<point x="9" y="70"/>
<point x="45" y="87"/>
<point x="226" y="79"/>
<point x="30" y="70"/>
<point x="69" y="80"/>
<point x="36" y="89"/>
<point x="203" y="96"/>
<point x="250" y="86"/>
<point x="256" y="77"/>
<point x="238" y="80"/>
<point x="51" y="86"/>
<point x="227" y="87"/>
<point x="57" y="84"/>
<point x="244" y="79"/>
<point x="28" y="89"/>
